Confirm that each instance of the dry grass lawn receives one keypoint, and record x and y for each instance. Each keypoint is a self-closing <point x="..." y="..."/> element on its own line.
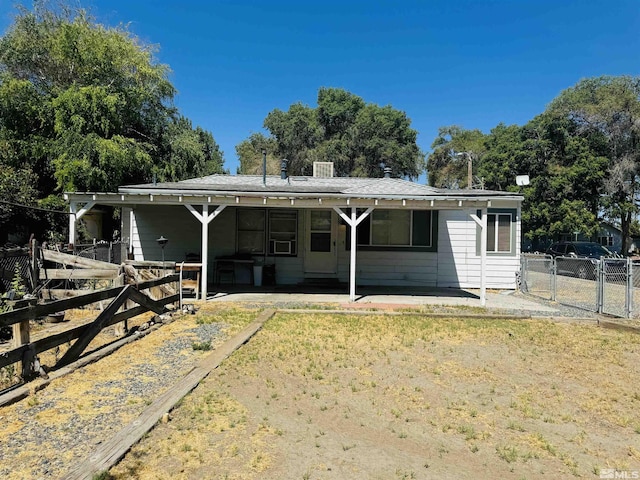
<point x="318" y="396"/>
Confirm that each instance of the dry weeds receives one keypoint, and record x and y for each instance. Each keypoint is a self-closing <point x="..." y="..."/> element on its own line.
<point x="349" y="396"/>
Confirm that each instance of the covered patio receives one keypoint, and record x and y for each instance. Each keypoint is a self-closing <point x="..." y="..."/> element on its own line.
<point x="356" y="232"/>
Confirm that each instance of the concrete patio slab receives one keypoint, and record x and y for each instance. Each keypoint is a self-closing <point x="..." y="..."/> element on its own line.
<point x="378" y="296"/>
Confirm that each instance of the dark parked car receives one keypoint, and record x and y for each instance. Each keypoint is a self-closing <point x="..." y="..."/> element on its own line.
<point x="580" y="259"/>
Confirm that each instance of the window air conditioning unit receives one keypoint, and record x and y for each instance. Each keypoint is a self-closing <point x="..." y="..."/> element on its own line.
<point x="281" y="247"/>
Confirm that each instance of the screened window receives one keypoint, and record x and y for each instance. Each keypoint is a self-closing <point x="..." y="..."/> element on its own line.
<point x="283" y="232"/>
<point x="400" y="229"/>
<point x="251" y="230"/>
<point x="499" y="233"/>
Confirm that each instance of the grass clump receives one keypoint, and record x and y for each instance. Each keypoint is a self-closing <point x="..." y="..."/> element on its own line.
<point x="203" y="346"/>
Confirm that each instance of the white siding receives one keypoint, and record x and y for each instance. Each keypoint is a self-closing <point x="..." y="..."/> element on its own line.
<point x="455" y="264"/>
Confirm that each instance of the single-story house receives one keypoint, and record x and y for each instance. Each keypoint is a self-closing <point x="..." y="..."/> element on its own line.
<point x="365" y="231"/>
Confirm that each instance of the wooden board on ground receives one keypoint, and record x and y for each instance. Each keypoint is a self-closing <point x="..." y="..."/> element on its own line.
<point x="111" y="451"/>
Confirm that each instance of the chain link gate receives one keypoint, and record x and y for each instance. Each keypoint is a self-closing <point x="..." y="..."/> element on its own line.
<point x="635" y="289"/>
<point x="614" y="280"/>
<point x="537" y="276"/>
<point x="576" y="282"/>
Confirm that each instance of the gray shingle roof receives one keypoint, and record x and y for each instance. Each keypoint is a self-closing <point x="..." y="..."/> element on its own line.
<point x="346" y="186"/>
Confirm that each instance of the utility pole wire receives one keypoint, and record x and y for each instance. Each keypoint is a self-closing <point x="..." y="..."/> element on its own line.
<point x="35" y="208"/>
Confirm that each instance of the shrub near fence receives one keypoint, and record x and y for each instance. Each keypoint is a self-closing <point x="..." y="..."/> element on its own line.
<point x="606" y="286"/>
<point x="12" y="260"/>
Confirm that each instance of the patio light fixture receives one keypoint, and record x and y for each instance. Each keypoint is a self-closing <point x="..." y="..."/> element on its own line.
<point x="162" y="242"/>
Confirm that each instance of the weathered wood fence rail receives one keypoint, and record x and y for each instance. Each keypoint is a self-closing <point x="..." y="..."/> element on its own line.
<point x="25" y="351"/>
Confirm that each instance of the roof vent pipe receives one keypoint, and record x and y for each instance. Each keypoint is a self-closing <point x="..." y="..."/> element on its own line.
<point x="283" y="169"/>
<point x="264" y="167"/>
<point x="387" y="172"/>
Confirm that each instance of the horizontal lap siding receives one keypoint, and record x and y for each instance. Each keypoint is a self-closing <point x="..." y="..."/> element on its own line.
<point x="173" y="222"/>
<point x="455" y="264"/>
<point x="455" y="240"/>
<point x="184" y="232"/>
<point x="396" y="268"/>
<point x="459" y="265"/>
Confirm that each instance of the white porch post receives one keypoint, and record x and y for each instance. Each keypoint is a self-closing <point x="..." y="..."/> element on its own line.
<point x="204" y="251"/>
<point x="352" y="261"/>
<point x="482" y="223"/>
<point x="483" y="259"/>
<point x="132" y="219"/>
<point x="75" y="216"/>
<point x="353" y="222"/>
<point x="73" y="208"/>
<point x="205" y="219"/>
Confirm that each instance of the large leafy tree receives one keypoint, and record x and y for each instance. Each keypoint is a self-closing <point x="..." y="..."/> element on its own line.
<point x="358" y="137"/>
<point x="566" y="173"/>
<point x="249" y="153"/>
<point x="608" y="108"/>
<point x="453" y="148"/>
<point x="87" y="107"/>
<point x="582" y="156"/>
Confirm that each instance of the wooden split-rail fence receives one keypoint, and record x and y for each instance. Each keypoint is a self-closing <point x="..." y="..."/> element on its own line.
<point x="135" y="291"/>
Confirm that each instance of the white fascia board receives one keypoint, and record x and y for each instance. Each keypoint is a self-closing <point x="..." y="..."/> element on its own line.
<point x="284" y="200"/>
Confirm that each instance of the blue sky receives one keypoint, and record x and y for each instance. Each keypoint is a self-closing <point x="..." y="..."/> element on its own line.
<point x="469" y="63"/>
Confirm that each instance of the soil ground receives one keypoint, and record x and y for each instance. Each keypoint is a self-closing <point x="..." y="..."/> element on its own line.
<point x="316" y="396"/>
<point x="320" y="395"/>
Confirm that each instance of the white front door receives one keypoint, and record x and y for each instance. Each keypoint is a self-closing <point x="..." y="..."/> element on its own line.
<point x="320" y="245"/>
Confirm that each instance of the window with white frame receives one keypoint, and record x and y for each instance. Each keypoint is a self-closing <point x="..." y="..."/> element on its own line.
<point x="283" y="232"/>
<point x="397" y="230"/>
<point x="499" y="233"/>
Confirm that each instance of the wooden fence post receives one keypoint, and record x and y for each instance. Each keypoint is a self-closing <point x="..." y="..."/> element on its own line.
<point x="121" y="328"/>
<point x="33" y="271"/>
<point x="21" y="336"/>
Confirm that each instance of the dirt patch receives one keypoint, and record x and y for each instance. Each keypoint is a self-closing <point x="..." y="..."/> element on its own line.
<point x="350" y="396"/>
<point x="46" y="434"/>
<point x="72" y="319"/>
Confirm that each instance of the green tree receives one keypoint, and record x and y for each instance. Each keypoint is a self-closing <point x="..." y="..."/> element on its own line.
<point x="17" y="186"/>
<point x="297" y="134"/>
<point x="447" y="163"/>
<point x="88" y="107"/>
<point x="359" y="138"/>
<point x="249" y="153"/>
<point x="565" y="171"/>
<point x="187" y="152"/>
<point x="608" y="108"/>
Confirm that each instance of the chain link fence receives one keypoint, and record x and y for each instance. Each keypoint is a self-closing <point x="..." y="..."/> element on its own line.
<point x="606" y="286"/>
<point x="14" y="267"/>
